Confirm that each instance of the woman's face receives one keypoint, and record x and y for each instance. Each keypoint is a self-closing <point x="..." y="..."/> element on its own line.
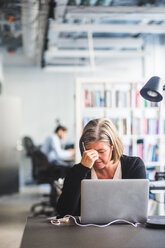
<point x="104" y="153"/>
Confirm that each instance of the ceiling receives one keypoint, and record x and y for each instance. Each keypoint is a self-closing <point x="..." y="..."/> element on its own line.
<point x="63" y="34"/>
<point x="88" y="35"/>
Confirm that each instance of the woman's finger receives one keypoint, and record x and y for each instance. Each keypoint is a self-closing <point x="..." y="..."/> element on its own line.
<point x="89" y="157"/>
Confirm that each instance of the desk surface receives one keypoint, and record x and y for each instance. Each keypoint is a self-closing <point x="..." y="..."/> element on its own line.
<point x="39" y="233"/>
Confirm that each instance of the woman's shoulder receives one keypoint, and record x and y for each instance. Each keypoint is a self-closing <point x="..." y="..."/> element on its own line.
<point x="126" y="158"/>
<point x="132" y="167"/>
<point x="131" y="161"/>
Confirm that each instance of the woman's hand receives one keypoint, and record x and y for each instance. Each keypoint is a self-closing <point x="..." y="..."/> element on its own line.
<point x="89" y="157"/>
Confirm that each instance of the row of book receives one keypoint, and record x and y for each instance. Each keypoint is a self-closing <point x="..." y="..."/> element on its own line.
<point x="138" y="126"/>
<point x="148" y="152"/>
<point x="120" y="124"/>
<point x="97" y="98"/>
<point x="115" y="98"/>
<point x="145" y="126"/>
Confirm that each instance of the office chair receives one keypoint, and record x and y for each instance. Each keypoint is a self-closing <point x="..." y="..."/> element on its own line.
<point x="28" y="145"/>
<point x="45" y="173"/>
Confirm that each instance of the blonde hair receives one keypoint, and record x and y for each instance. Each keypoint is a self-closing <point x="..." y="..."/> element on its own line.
<point x="102" y="130"/>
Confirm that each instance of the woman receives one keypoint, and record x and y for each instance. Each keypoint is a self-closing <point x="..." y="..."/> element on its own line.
<point x="102" y="158"/>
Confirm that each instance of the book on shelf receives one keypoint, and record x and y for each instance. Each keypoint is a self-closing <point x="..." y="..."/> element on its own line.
<point x="108" y="98"/>
<point x="123" y="98"/>
<point x="124" y="126"/>
<point x="138" y="99"/>
<point x="117" y="99"/>
<point x="146" y="126"/>
<point x="127" y="147"/>
<point x="140" y="148"/>
<point x="149" y="104"/>
<point x="97" y="98"/>
<point x="86" y="98"/>
<point x="94" y="98"/>
<point x="150" y="172"/>
<point x="153" y="126"/>
<point x="151" y="152"/>
<point x="137" y="126"/>
<point x="120" y="124"/>
<point x="103" y="98"/>
<point x="155" y="153"/>
<point x="128" y="150"/>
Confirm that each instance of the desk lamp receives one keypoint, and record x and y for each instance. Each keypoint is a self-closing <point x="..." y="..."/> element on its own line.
<point x="152" y="91"/>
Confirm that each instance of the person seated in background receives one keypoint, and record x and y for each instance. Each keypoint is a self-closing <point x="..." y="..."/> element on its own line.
<point x="52" y="148"/>
<point x="102" y="158"/>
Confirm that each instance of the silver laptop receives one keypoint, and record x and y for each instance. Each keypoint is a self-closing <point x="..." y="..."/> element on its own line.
<point x="105" y="200"/>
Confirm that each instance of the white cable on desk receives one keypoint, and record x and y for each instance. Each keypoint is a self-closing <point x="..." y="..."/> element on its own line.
<point x="66" y="218"/>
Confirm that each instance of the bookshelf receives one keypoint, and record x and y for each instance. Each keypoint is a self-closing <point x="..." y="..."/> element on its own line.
<point x="140" y="123"/>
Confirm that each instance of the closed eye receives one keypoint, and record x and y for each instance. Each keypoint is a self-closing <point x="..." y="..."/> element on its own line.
<point x="101" y="151"/>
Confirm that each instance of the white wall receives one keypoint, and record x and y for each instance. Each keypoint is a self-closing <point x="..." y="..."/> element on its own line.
<point x="44" y="97"/>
